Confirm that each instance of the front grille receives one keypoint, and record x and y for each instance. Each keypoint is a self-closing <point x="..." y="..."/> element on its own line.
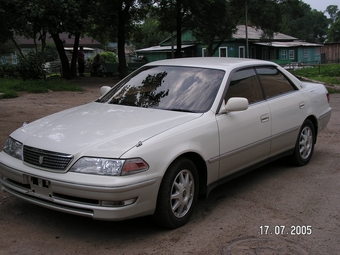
<point x="46" y="159"/>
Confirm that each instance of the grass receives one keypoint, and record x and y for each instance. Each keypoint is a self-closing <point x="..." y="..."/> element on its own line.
<point x="9" y="88"/>
<point x="328" y="74"/>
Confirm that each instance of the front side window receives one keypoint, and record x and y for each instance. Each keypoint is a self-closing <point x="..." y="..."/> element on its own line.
<point x="187" y="89"/>
<point x="273" y="82"/>
<point x="244" y="84"/>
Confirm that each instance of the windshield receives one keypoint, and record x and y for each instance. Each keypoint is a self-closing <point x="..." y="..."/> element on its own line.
<point x="167" y="87"/>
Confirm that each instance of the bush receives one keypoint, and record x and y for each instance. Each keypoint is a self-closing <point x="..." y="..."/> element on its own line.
<point x="31" y="67"/>
<point x="109" y="57"/>
<point x="8" y="71"/>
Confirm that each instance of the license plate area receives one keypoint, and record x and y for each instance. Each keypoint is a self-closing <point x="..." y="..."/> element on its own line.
<point x="40" y="187"/>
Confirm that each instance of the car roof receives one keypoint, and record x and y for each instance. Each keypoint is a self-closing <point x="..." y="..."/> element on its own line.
<point x="224" y="63"/>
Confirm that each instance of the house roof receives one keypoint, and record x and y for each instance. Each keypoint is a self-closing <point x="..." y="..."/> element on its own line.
<point x="161" y="48"/>
<point x="84" y="41"/>
<point x="257" y="34"/>
<point x="289" y="44"/>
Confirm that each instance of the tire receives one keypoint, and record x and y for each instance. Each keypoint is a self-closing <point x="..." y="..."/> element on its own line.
<point x="177" y="195"/>
<point x="304" y="146"/>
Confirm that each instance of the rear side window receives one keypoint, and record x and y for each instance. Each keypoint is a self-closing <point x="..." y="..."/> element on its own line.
<point x="274" y="83"/>
<point x="244" y="83"/>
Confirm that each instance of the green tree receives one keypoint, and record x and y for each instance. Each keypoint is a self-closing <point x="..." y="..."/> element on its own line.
<point x="302" y="22"/>
<point x="333" y="12"/>
<point x="333" y="34"/>
<point x="115" y="21"/>
<point x="148" y="33"/>
<point x="36" y="18"/>
<point x="220" y="26"/>
<point x="174" y="16"/>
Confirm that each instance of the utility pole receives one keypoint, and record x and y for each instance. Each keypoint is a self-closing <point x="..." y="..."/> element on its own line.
<point x="247" y="44"/>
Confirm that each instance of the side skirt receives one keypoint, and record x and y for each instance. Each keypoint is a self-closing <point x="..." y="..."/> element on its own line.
<point x="213" y="185"/>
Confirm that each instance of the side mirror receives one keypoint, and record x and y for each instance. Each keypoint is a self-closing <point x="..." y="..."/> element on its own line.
<point x="234" y="104"/>
<point x="104" y="90"/>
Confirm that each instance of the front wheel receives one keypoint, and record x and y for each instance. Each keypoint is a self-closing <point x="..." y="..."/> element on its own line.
<point x="177" y="194"/>
<point x="304" y="146"/>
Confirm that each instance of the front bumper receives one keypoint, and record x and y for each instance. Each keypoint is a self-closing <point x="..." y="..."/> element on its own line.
<point x="103" y="202"/>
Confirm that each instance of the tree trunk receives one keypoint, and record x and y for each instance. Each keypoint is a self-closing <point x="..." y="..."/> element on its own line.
<point x="75" y="55"/>
<point x="122" y="20"/>
<point x="66" y="72"/>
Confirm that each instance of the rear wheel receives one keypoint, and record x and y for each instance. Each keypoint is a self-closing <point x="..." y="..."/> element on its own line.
<point x="177" y="195"/>
<point x="304" y="146"/>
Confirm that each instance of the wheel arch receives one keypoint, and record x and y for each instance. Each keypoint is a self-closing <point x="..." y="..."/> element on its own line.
<point x="314" y="121"/>
<point x="201" y="167"/>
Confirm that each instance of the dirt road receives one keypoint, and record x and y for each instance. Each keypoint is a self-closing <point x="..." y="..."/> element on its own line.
<point x="276" y="209"/>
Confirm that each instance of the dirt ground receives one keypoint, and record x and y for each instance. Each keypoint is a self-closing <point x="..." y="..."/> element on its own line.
<point x="276" y="209"/>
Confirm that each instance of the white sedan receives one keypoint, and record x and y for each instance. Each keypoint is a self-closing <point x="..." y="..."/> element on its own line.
<point x="168" y="132"/>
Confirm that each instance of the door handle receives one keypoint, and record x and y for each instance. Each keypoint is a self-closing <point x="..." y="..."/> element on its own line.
<point x="302" y="105"/>
<point x="264" y="117"/>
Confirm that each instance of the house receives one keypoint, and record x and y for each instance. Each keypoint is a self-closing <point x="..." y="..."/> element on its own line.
<point x="91" y="47"/>
<point x="282" y="48"/>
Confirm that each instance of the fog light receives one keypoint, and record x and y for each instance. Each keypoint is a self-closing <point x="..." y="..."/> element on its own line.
<point x="118" y="203"/>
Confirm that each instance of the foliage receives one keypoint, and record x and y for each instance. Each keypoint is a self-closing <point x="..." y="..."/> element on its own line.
<point x="10" y="87"/>
<point x="301" y="22"/>
<point x="149" y="33"/>
<point x="334" y="32"/>
<point x="323" y="73"/>
<point x="333" y="12"/>
<point x="221" y="25"/>
<point x="334" y="29"/>
<point x="109" y="57"/>
<point x="8" y="71"/>
<point x="50" y="53"/>
<point x="6" y="47"/>
<point x="116" y="19"/>
<point x="174" y="17"/>
<point x="30" y="67"/>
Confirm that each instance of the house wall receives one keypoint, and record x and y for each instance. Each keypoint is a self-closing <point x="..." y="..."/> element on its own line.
<point x="312" y="55"/>
<point x="331" y="53"/>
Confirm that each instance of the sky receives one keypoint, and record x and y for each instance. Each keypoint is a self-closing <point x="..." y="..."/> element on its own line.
<point x="321" y="5"/>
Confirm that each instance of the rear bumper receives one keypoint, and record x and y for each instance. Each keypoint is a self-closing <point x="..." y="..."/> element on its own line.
<point x="324" y="119"/>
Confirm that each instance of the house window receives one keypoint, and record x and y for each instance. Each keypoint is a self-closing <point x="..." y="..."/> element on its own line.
<point x="204" y="52"/>
<point x="3" y="60"/>
<point x="291" y="54"/>
<point x="14" y="58"/>
<point x="284" y="54"/>
<point x="241" y="52"/>
<point x="305" y="53"/>
<point x="223" y="52"/>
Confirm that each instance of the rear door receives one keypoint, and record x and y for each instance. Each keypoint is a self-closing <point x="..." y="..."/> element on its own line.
<point x="287" y="107"/>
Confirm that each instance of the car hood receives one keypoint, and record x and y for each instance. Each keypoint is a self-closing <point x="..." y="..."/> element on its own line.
<point x="98" y="129"/>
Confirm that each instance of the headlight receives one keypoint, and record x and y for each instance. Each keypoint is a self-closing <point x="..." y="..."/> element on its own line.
<point x="13" y="147"/>
<point x="112" y="167"/>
